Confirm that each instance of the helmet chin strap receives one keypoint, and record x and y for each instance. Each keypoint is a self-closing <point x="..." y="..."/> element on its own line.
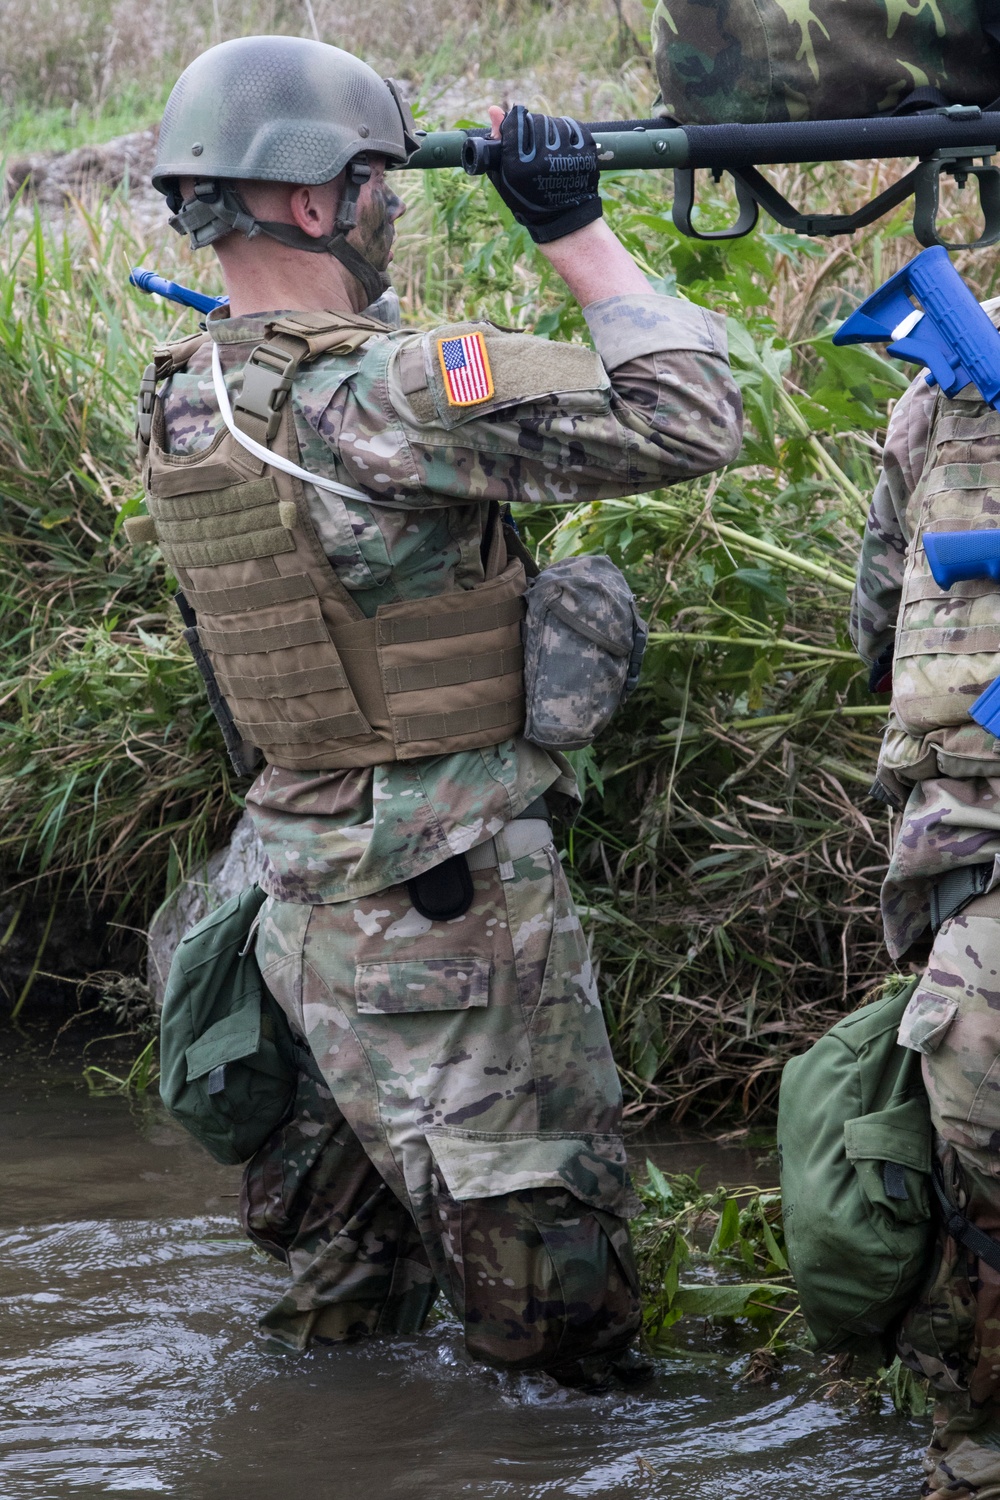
<point x="217" y="210"/>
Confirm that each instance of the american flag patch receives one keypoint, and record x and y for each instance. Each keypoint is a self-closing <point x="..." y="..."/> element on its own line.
<point x="466" y="369"/>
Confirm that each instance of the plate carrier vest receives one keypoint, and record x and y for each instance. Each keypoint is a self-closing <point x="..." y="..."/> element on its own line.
<point x="947" y="647"/>
<point x="308" y="679"/>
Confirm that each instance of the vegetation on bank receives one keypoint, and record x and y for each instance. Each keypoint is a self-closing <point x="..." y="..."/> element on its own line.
<point x="727" y="858"/>
<point x="76" y="73"/>
<point x="718" y="1259"/>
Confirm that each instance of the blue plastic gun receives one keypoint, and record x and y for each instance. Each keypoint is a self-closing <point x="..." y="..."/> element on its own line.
<point x="148" y="281"/>
<point x="948" y="331"/>
<point x="957" y="555"/>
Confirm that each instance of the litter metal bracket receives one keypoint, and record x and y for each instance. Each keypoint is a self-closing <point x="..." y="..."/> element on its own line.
<point x="922" y="183"/>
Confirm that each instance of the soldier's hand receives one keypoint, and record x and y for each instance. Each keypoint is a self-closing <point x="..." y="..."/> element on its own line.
<point x="548" y="173"/>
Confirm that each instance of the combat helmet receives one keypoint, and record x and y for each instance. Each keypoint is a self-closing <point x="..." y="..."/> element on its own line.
<point x="278" y="109"/>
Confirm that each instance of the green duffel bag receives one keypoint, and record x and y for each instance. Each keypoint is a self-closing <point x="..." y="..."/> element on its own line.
<point x="753" y="61"/>
<point x="855" y="1151"/>
<point x="228" y="1061"/>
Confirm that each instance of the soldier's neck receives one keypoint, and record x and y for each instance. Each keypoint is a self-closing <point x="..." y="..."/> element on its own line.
<point x="264" y="276"/>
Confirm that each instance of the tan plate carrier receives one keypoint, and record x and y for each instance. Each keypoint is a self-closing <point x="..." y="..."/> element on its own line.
<point x="308" y="678"/>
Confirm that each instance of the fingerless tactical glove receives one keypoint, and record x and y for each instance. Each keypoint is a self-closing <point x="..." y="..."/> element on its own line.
<point x="548" y="174"/>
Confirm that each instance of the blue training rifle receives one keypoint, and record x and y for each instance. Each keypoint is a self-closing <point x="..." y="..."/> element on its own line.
<point x="926" y="313"/>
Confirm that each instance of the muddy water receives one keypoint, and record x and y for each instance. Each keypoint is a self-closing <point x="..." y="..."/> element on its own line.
<point x="129" y="1365"/>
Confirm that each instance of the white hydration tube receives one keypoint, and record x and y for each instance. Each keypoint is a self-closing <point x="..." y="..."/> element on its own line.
<point x="259" y="451"/>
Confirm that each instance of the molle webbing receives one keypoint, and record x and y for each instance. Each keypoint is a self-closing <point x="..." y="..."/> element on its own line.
<point x="486" y="721"/>
<point x="307" y="732"/>
<point x="947" y="647"/>
<point x="223" y="526"/>
<point x="450" y="673"/>
<point x="308" y="678"/>
<point x="247" y="641"/>
<point x="470" y="621"/>
<point x="251" y="595"/>
<point x="969" y="588"/>
<point x="963" y="426"/>
<point x="959" y="476"/>
<point x="294" y="684"/>
<point x="947" y="640"/>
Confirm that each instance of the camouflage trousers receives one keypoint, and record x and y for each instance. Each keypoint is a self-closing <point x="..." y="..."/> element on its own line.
<point x="952" y="1335"/>
<point x="471" y="1115"/>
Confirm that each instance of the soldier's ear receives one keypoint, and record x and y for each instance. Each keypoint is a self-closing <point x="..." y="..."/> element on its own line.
<point x="314" y="207"/>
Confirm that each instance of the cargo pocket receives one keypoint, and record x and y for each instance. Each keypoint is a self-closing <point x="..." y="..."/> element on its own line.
<point x="891" y="1154"/>
<point x="391" y="989"/>
<point x="488" y="1164"/>
<point x="926" y="1020"/>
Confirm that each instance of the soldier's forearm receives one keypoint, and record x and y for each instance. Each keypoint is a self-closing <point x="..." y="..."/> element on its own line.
<point x="594" y="264"/>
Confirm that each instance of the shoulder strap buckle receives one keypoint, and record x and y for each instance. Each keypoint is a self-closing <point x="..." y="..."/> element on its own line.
<point x="267" y="379"/>
<point x="326" y="332"/>
<point x="144" y="405"/>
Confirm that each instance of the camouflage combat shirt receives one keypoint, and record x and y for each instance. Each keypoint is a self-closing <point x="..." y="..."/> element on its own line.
<point x="655" y="405"/>
<point x="946" y="821"/>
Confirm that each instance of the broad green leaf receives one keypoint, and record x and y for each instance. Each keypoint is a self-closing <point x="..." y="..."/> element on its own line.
<point x="658" y="1182"/>
<point x="728" y="1228"/>
<point x="726" y="1301"/>
<point x="773" y="1248"/>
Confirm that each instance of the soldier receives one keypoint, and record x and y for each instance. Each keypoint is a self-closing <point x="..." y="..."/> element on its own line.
<point x="940" y="899"/>
<point x="327" y="489"/>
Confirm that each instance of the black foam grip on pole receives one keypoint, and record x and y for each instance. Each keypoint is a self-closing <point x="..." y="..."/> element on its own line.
<point x="817" y="140"/>
<point x="729" y="146"/>
<point x="596" y="126"/>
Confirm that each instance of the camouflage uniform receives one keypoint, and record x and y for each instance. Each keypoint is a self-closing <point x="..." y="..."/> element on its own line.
<point x="472" y="1137"/>
<point x="951" y="1335"/>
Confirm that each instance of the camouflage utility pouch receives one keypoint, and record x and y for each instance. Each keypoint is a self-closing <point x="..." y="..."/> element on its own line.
<point x="583" y="645"/>
<point x="754" y="61"/>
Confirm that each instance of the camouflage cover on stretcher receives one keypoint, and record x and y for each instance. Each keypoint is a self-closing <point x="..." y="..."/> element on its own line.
<point x="755" y="61"/>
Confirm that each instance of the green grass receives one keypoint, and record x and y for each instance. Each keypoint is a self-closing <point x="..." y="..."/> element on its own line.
<point x="72" y="73"/>
<point x="109" y="760"/>
<point x="63" y="127"/>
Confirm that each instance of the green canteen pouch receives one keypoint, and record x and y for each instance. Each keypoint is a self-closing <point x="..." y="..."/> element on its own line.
<point x="855" y="1148"/>
<point x="228" y="1061"/>
<point x="891" y="1154"/>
